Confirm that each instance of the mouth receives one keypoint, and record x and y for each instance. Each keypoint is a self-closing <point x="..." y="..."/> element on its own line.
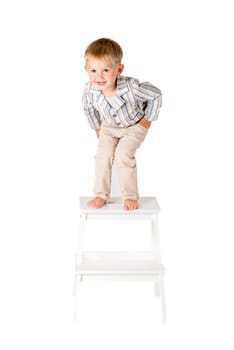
<point x="101" y="83"/>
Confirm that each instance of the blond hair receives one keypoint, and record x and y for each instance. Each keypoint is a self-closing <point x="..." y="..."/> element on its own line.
<point x="105" y="48"/>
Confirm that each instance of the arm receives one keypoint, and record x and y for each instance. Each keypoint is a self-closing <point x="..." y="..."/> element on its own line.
<point x="91" y="113"/>
<point x="152" y="96"/>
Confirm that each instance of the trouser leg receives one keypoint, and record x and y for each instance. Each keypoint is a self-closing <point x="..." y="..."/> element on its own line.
<point x="126" y="162"/>
<point x="103" y="162"/>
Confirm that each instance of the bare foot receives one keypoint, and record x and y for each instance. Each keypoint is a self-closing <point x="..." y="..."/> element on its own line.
<point x="130" y="204"/>
<point x="96" y="202"/>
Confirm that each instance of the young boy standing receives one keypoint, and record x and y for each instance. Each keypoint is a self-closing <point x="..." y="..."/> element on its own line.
<point x="120" y="109"/>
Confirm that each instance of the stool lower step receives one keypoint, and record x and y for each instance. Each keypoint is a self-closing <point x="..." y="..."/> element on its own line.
<point x="124" y="263"/>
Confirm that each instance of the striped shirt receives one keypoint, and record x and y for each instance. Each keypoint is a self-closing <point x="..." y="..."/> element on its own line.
<point x="133" y="101"/>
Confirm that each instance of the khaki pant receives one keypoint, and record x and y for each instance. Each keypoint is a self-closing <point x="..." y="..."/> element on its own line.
<point x="118" y="145"/>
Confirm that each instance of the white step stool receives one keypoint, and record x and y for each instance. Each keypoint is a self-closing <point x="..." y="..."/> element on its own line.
<point x="145" y="266"/>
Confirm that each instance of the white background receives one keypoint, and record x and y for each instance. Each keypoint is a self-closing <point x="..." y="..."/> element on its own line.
<point x="47" y="151"/>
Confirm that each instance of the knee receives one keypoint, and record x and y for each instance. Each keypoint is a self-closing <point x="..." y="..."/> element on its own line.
<point x="104" y="159"/>
<point x="105" y="149"/>
<point x="123" y="159"/>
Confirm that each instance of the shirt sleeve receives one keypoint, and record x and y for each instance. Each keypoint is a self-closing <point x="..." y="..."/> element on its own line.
<point x="92" y="115"/>
<point x="151" y="96"/>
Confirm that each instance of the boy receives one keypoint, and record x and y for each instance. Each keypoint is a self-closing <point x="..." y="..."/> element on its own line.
<point x="120" y="109"/>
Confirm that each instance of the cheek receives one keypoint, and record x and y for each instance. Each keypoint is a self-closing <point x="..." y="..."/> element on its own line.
<point x="91" y="77"/>
<point x="112" y="76"/>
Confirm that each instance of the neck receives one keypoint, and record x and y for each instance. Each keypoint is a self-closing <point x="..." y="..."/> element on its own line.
<point x="109" y="93"/>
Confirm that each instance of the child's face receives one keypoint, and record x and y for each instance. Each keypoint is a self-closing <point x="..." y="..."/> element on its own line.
<point x="102" y="74"/>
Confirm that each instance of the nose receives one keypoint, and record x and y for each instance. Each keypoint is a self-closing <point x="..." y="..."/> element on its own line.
<point x="99" y="74"/>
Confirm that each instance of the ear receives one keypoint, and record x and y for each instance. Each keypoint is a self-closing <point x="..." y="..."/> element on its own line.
<point x="121" y="68"/>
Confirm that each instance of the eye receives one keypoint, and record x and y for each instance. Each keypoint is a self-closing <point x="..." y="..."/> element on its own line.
<point x="106" y="70"/>
<point x="92" y="70"/>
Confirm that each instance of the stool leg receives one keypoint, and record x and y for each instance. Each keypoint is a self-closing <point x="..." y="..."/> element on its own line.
<point x="78" y="260"/>
<point x="163" y="299"/>
<point x="78" y="254"/>
<point x="155" y="250"/>
<point x="156" y="287"/>
<point x="155" y="239"/>
<point x="77" y="281"/>
<point x="159" y="282"/>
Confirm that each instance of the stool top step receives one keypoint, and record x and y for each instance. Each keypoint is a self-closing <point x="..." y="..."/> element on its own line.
<point x="148" y="205"/>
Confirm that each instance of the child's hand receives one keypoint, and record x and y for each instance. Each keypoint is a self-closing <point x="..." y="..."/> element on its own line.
<point x="97" y="132"/>
<point x="145" y="123"/>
